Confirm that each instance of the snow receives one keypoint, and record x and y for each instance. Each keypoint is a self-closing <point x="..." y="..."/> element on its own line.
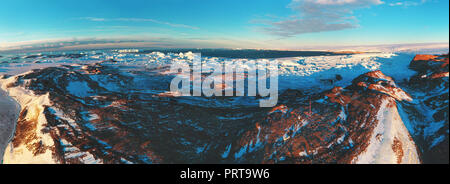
<point x="389" y="127"/>
<point x="9" y="113"/>
<point x="437" y="141"/>
<point x="227" y="151"/>
<point x="295" y="73"/>
<point x="241" y="152"/>
<point x="303" y="154"/>
<point x="35" y="105"/>
<point x="60" y="115"/>
<point x="71" y="152"/>
<point x="79" y="88"/>
<point x="432" y="128"/>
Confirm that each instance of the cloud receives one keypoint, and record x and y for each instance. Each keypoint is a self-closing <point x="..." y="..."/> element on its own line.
<point x="70" y="44"/>
<point x="97" y="19"/>
<point x="408" y="3"/>
<point x="61" y="43"/>
<point x="313" y="16"/>
<point x="93" y="19"/>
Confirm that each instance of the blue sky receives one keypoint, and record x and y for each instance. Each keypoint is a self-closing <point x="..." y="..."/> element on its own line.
<point x="284" y="24"/>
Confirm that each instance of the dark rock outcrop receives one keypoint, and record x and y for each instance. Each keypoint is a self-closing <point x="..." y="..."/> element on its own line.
<point x="100" y="114"/>
<point x="337" y="126"/>
<point x="428" y="113"/>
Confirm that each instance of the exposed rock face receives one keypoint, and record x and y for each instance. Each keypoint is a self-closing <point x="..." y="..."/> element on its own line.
<point x="428" y="113"/>
<point x="100" y="114"/>
<point x="430" y="66"/>
<point x="97" y="114"/>
<point x="356" y="124"/>
<point x="61" y="122"/>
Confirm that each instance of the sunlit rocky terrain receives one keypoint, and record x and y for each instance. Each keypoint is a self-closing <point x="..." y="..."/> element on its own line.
<point x="115" y="107"/>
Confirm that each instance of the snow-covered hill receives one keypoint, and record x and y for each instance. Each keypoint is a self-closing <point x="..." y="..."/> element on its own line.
<point x="116" y="108"/>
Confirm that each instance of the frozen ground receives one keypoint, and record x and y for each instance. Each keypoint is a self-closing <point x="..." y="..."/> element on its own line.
<point x="317" y="72"/>
<point x="9" y="110"/>
<point x="146" y="76"/>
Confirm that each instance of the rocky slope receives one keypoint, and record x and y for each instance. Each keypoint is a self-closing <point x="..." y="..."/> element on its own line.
<point x="428" y="113"/>
<point x="356" y="124"/>
<point x="99" y="113"/>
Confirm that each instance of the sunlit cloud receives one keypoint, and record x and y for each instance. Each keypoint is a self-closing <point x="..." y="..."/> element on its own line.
<point x="318" y="16"/>
<point x="408" y="3"/>
<point x="124" y="42"/>
<point x="97" y="19"/>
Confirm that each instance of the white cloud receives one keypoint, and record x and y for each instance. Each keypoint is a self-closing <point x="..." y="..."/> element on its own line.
<point x="135" y="41"/>
<point x="408" y="3"/>
<point x="96" y="19"/>
<point x="318" y="16"/>
<point x="341" y="2"/>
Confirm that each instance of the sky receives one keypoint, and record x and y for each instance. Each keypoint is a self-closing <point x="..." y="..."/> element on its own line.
<point x="276" y="24"/>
